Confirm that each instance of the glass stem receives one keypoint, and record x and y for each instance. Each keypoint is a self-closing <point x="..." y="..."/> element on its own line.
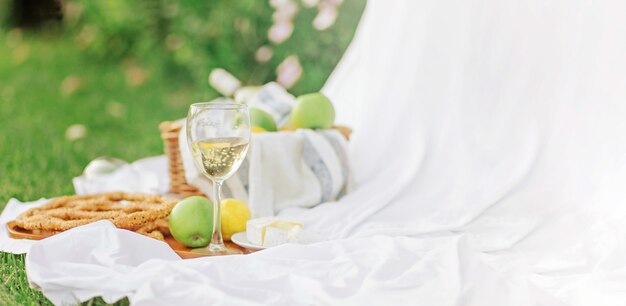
<point x="216" y="240"/>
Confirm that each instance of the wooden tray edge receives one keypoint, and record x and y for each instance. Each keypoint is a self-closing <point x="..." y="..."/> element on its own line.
<point x="184" y="252"/>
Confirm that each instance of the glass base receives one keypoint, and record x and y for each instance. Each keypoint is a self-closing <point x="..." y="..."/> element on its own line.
<point x="217" y="249"/>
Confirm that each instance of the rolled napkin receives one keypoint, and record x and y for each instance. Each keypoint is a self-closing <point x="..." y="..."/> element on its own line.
<point x="274" y="100"/>
<point x="286" y="169"/>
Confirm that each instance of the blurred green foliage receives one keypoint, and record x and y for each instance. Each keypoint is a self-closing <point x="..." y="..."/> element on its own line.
<point x="193" y="37"/>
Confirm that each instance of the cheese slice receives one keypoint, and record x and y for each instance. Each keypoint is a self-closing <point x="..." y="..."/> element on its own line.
<point x="255" y="229"/>
<point x="272" y="231"/>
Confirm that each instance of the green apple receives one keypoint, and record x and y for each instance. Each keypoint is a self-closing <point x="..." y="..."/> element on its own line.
<point x="262" y="119"/>
<point x="191" y="221"/>
<point x="313" y="111"/>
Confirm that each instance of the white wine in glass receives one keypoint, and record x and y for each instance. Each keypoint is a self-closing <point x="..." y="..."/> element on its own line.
<point x="219" y="158"/>
<point x="218" y="134"/>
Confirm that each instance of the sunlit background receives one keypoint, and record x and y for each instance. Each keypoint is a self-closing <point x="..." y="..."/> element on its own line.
<point x="82" y="79"/>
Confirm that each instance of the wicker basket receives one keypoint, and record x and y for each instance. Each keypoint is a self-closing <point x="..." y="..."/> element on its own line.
<point x="178" y="182"/>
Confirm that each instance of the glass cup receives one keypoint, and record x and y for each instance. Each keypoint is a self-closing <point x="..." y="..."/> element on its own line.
<point x="218" y="135"/>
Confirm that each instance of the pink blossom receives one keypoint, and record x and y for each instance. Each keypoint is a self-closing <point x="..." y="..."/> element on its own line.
<point x="325" y="18"/>
<point x="263" y="54"/>
<point x="279" y="32"/>
<point x="289" y="71"/>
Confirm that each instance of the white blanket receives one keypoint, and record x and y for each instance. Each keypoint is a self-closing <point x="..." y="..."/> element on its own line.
<point x="489" y="150"/>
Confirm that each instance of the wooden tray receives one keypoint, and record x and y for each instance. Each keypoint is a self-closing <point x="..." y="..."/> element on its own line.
<point x="182" y="251"/>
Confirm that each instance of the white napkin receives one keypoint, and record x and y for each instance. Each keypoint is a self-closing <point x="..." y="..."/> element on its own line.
<point x="147" y="175"/>
<point x="283" y="170"/>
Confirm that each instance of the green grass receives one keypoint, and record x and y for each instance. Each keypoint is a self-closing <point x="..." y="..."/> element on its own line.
<point x="16" y="291"/>
<point x="36" y="159"/>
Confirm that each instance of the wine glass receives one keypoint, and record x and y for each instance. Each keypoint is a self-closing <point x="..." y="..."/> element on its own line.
<point x="218" y="134"/>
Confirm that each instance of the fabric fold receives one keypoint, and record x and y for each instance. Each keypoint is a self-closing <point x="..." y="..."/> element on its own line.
<point x="69" y="266"/>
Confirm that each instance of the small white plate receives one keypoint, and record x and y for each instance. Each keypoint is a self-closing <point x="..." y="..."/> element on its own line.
<point x="241" y="240"/>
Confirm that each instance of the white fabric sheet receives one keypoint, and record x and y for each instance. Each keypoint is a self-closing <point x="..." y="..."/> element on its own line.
<point x="489" y="152"/>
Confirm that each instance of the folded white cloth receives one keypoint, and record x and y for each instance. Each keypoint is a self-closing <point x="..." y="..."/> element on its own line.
<point x="283" y="170"/>
<point x="437" y="269"/>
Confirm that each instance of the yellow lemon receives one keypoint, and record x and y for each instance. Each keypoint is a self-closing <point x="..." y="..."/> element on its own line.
<point x="235" y="214"/>
<point x="256" y="129"/>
